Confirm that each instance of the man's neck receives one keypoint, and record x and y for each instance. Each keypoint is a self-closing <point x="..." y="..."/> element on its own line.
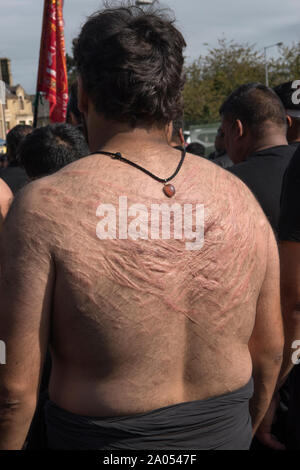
<point x="120" y="137"/>
<point x="268" y="141"/>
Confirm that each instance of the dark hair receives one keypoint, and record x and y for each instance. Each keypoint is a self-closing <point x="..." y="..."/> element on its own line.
<point x="255" y="105"/>
<point x="285" y="93"/>
<point x="48" y="149"/>
<point x="14" y="138"/>
<point x="130" y="62"/>
<point x="196" y="148"/>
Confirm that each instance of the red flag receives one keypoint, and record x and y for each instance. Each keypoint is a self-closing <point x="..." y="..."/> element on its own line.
<point x="52" y="77"/>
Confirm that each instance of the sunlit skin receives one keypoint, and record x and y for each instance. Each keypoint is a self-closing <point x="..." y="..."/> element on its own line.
<point x="6" y="197"/>
<point x="135" y="325"/>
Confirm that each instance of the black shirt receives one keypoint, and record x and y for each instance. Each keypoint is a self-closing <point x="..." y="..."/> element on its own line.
<point x="289" y="230"/>
<point x="294" y="144"/>
<point x="223" y="161"/>
<point x="289" y="222"/>
<point x="14" y="176"/>
<point x="263" y="173"/>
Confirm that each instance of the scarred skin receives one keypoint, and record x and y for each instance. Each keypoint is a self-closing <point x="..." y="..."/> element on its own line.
<point x="135" y="325"/>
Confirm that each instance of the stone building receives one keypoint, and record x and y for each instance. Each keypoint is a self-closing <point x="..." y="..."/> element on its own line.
<point x="18" y="108"/>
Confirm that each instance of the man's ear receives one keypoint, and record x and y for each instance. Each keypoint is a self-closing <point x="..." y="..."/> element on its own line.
<point x="181" y="137"/>
<point x="289" y="120"/>
<point x="239" y="128"/>
<point x="82" y="98"/>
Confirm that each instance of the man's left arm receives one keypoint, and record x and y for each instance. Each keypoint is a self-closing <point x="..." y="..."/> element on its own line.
<point x="26" y="285"/>
<point x="6" y="197"/>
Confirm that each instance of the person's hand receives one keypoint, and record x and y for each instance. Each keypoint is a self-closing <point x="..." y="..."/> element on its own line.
<point x="264" y="432"/>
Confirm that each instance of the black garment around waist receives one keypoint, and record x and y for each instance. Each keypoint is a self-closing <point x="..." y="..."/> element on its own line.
<point x="218" y="423"/>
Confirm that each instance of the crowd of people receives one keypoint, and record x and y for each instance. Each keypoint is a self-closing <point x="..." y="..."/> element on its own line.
<point x="129" y="342"/>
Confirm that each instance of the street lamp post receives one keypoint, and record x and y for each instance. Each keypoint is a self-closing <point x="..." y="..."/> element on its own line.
<point x="266" y="61"/>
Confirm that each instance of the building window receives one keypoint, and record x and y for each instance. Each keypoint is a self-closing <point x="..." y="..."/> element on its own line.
<point x="22" y="123"/>
<point x="7" y="126"/>
<point x="21" y="101"/>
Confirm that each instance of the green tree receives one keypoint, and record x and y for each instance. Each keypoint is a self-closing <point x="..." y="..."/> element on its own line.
<point x="211" y="78"/>
<point x="287" y="66"/>
<point x="71" y="69"/>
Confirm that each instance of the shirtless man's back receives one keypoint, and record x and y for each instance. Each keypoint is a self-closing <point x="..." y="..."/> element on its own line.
<point x="141" y="324"/>
<point x="136" y="325"/>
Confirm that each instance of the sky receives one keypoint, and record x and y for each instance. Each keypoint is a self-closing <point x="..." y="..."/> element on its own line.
<point x="259" y="22"/>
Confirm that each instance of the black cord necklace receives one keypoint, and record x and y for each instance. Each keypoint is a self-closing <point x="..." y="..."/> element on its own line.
<point x="168" y="189"/>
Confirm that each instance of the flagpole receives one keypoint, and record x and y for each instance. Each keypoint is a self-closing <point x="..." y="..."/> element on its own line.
<point x="36" y="109"/>
<point x="37" y="95"/>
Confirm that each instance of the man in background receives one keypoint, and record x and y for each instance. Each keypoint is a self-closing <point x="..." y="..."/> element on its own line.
<point x="287" y="94"/>
<point x="13" y="177"/>
<point x="219" y="156"/>
<point x="196" y="149"/>
<point x="289" y="236"/>
<point x="50" y="148"/>
<point x="3" y="161"/>
<point x="254" y="126"/>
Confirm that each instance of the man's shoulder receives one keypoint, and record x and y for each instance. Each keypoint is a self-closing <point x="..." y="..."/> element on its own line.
<point x="244" y="167"/>
<point x="4" y="188"/>
<point x="277" y="153"/>
<point x="29" y="202"/>
<point x="29" y="194"/>
<point x="263" y="161"/>
<point x="224" y="184"/>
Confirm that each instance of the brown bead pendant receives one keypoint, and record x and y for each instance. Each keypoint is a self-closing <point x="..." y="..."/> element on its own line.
<point x="169" y="190"/>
